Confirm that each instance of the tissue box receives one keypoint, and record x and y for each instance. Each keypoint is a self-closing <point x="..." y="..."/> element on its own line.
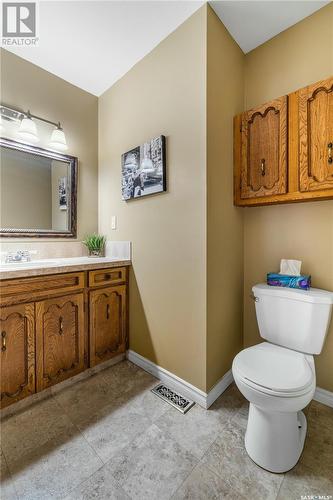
<point x="301" y="282"/>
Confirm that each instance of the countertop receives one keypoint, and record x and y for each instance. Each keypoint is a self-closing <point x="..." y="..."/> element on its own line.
<point x="57" y="266"/>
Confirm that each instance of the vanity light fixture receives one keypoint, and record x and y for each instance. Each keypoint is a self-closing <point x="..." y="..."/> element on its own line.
<point x="58" y="139"/>
<point x="28" y="129"/>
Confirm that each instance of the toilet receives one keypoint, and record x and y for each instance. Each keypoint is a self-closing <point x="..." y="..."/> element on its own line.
<point x="278" y="376"/>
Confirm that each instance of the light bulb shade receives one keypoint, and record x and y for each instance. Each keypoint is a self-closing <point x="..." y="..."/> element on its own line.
<point x="28" y="130"/>
<point x="58" y="139"/>
<point x="147" y="165"/>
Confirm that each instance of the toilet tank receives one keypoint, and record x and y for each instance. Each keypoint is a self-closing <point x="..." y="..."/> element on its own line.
<point x="296" y="319"/>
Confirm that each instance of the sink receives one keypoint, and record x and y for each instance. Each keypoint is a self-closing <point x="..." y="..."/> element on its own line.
<point x="32" y="263"/>
<point x="24" y="267"/>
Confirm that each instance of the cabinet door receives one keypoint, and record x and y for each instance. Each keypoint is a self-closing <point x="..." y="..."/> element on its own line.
<point x="316" y="136"/>
<point x="264" y="150"/>
<point x="59" y="339"/>
<point x="107" y="323"/>
<point x="17" y="353"/>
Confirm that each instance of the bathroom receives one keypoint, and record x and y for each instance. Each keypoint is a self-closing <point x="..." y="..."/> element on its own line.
<point x="188" y="256"/>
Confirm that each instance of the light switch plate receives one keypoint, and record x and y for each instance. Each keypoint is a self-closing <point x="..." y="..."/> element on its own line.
<point x="114" y="222"/>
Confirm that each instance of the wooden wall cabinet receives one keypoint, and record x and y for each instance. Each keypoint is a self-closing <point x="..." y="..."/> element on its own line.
<point x="316" y="136"/>
<point x="264" y="150"/>
<point x="283" y="150"/>
<point x="54" y="327"/>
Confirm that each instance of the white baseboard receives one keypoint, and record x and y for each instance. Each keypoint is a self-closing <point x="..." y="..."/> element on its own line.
<point x="323" y="396"/>
<point x="185" y="388"/>
<point x="202" y="398"/>
<point x="219" y="388"/>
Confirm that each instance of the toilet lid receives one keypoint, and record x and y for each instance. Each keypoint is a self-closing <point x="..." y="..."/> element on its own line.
<point x="274" y="367"/>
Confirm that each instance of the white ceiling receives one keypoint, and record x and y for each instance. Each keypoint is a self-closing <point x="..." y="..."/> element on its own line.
<point x="252" y="23"/>
<point x="94" y="43"/>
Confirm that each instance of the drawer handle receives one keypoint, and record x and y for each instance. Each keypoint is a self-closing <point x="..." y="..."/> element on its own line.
<point x="330" y="152"/>
<point x="108" y="311"/>
<point x="3" y="336"/>
<point x="263" y="167"/>
<point x="61" y="326"/>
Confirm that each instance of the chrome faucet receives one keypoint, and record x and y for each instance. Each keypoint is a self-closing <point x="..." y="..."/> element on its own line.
<point x="19" y="256"/>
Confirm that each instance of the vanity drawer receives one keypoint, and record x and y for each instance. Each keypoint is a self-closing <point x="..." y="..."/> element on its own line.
<point x="110" y="276"/>
<point x="19" y="290"/>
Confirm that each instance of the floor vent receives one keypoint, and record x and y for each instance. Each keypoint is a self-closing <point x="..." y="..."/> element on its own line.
<point x="173" y="398"/>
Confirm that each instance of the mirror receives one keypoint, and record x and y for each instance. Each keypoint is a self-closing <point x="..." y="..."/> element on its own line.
<point x="38" y="191"/>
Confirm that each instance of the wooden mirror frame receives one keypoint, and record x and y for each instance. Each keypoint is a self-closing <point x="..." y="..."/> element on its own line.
<point x="72" y="213"/>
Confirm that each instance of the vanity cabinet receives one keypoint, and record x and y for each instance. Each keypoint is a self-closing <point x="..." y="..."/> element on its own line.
<point x="104" y="277"/>
<point x="17" y="327"/>
<point x="55" y="326"/>
<point x="283" y="150"/>
<point x="107" y="323"/>
<point x="264" y="150"/>
<point x="59" y="339"/>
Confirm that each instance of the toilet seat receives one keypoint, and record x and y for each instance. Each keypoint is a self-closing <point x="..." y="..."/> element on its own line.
<point x="274" y="370"/>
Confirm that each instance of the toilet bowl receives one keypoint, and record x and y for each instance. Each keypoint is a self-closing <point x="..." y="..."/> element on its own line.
<point x="278" y="383"/>
<point x="278" y="377"/>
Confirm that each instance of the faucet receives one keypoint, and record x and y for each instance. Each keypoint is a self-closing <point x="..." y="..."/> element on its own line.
<point x="19" y="256"/>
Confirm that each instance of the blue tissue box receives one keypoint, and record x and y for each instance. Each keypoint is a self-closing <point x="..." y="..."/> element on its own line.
<point x="301" y="282"/>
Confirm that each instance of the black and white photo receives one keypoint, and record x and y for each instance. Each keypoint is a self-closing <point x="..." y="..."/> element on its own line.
<point x="144" y="169"/>
<point x="62" y="188"/>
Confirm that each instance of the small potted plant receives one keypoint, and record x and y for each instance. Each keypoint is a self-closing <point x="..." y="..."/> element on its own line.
<point x="95" y="244"/>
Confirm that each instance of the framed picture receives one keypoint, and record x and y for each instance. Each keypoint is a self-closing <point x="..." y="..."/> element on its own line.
<point x="62" y="188"/>
<point x="144" y="169"/>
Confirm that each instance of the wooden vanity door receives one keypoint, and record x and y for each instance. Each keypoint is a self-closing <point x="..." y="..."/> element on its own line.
<point x="59" y="339"/>
<point x="107" y="323"/>
<point x="315" y="104"/>
<point x="17" y="353"/>
<point x="264" y="150"/>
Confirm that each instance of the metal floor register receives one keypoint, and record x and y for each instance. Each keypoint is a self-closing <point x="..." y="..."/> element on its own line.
<point x="173" y="398"/>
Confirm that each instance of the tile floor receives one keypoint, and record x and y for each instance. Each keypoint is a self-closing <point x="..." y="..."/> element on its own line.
<point x="109" y="437"/>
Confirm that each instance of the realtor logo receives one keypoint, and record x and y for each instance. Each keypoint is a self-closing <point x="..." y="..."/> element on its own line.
<point x="19" y="23"/>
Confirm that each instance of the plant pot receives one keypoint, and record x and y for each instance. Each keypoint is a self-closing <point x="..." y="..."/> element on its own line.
<point x="96" y="253"/>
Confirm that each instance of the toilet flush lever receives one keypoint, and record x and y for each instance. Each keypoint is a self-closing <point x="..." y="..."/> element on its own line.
<point x="253" y="297"/>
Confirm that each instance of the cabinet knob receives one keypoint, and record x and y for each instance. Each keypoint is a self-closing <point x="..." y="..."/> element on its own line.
<point x="263" y="167"/>
<point x="61" y="326"/>
<point x="3" y="341"/>
<point x="330" y="152"/>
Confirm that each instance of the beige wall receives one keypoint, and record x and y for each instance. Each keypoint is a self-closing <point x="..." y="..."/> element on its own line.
<point x="299" y="56"/>
<point x="225" y="63"/>
<point x="26" y="86"/>
<point x="165" y="93"/>
<point x="188" y="254"/>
